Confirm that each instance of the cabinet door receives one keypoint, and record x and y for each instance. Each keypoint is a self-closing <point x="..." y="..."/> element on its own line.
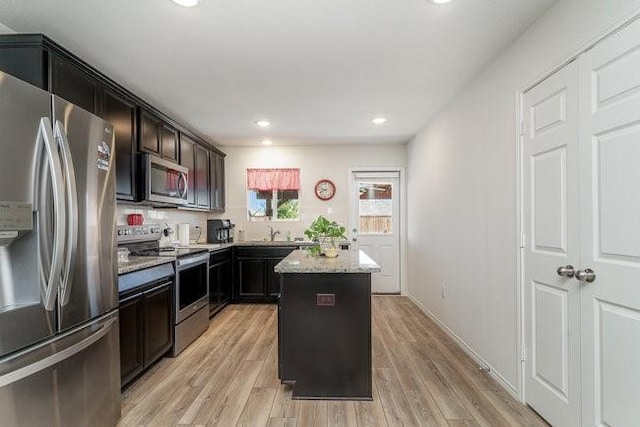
<point x="169" y="146"/>
<point x="157" y="316"/>
<point x="149" y="133"/>
<point x="225" y="282"/>
<point x="74" y="84"/>
<point x="220" y="184"/>
<point x="251" y="279"/>
<point x="214" y="287"/>
<point x="273" y="279"/>
<point x="216" y="170"/>
<point x="187" y="159"/>
<point x="28" y="63"/>
<point x="131" y="338"/>
<point x="121" y="113"/>
<point x="202" y="177"/>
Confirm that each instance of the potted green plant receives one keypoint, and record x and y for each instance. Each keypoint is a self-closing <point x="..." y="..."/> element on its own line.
<point x="325" y="234"/>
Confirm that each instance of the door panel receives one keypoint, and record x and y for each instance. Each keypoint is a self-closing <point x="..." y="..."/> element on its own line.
<point x="93" y="287"/>
<point x="610" y="228"/>
<point x="549" y="346"/>
<point x="75" y="380"/>
<point x="375" y="224"/>
<point x="619" y="379"/>
<point x="617" y="154"/>
<point x="550" y="211"/>
<point x="21" y="108"/>
<point x="549" y="182"/>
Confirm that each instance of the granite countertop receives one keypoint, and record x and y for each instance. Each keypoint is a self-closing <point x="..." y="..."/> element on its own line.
<point x="140" y="262"/>
<point x="346" y="262"/>
<point x="269" y="243"/>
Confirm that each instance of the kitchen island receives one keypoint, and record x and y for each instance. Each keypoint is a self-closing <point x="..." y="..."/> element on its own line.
<point x="324" y="325"/>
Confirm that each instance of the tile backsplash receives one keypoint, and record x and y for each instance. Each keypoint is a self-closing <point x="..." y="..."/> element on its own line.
<point x="166" y="218"/>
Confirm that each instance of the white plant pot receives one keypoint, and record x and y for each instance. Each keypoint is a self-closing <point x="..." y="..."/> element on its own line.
<point x="331" y="252"/>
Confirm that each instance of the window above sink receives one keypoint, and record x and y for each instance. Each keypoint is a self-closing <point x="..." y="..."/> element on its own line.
<point x="272" y="195"/>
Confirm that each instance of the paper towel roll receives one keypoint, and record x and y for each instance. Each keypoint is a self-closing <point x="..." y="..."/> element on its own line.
<point x="183" y="234"/>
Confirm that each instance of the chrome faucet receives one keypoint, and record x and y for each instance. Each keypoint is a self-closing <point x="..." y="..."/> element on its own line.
<point x="273" y="233"/>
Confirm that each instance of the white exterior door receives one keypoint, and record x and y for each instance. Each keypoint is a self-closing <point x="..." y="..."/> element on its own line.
<point x="375" y="225"/>
<point x="610" y="229"/>
<point x="551" y="226"/>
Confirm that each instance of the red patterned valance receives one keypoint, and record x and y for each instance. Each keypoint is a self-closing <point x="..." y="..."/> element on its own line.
<point x="273" y="179"/>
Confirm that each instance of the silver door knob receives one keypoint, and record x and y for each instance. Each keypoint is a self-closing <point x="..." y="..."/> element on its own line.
<point x="566" y="271"/>
<point x="586" y="275"/>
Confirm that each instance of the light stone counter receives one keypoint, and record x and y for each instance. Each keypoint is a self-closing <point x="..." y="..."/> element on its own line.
<point x="300" y="261"/>
<point x="140" y="262"/>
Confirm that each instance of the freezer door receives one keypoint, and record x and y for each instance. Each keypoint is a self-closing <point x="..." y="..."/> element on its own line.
<point x="89" y="287"/>
<point x="27" y="280"/>
<point x="73" y="380"/>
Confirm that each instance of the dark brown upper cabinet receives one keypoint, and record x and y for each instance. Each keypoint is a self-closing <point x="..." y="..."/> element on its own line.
<point x="188" y="160"/>
<point x="139" y="126"/>
<point x="217" y="184"/>
<point x="202" y="177"/>
<point x="169" y="143"/>
<point x="149" y="133"/>
<point x="120" y="111"/>
<point x="74" y="84"/>
<point x="157" y="137"/>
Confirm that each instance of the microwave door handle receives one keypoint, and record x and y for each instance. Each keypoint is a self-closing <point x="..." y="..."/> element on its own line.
<point x="45" y="142"/>
<point x="183" y="177"/>
<point x="72" y="213"/>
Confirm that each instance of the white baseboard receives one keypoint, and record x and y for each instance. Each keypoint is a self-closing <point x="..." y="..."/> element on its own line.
<point x="470" y="351"/>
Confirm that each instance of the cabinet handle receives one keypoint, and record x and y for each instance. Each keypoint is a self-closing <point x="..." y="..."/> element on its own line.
<point x="157" y="287"/>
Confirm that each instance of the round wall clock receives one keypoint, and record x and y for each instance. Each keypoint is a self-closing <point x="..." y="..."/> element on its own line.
<point x="325" y="189"/>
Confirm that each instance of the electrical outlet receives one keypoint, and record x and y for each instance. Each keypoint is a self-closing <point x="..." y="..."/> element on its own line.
<point x="442" y="291"/>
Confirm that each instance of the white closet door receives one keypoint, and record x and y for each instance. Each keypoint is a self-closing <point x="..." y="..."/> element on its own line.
<point x="550" y="211"/>
<point x="610" y="229"/>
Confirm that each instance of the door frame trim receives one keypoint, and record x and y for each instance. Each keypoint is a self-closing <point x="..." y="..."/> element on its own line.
<point x="615" y="26"/>
<point x="403" y="211"/>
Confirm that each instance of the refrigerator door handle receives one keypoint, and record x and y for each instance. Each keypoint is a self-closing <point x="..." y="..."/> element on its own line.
<point x="71" y="213"/>
<point x="49" y="286"/>
<point x="58" y="357"/>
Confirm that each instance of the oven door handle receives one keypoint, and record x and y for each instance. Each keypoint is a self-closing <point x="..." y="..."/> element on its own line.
<point x="186" y="262"/>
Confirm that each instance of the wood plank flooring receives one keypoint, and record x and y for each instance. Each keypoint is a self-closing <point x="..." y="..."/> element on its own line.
<point x="229" y="377"/>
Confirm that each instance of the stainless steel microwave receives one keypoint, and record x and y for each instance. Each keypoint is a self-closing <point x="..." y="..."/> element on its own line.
<point x="164" y="181"/>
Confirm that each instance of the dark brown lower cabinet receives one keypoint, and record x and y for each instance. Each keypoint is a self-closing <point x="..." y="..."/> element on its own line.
<point x="324" y="335"/>
<point x="146" y="331"/>
<point x="131" y="338"/>
<point x="219" y="280"/>
<point x="157" y="323"/>
<point x="254" y="278"/>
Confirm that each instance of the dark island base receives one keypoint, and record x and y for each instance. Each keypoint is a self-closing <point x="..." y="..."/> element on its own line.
<point x="324" y="335"/>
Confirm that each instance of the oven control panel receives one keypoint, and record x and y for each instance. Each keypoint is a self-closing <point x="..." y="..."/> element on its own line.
<point x="138" y="233"/>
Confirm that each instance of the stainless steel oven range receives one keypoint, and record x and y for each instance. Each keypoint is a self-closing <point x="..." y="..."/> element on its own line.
<point x="191" y="295"/>
<point x="191" y="299"/>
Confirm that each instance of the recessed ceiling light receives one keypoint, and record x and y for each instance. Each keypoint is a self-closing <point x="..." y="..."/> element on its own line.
<point x="186" y="3"/>
<point x="378" y="120"/>
<point x="439" y="1"/>
<point x="266" y="142"/>
<point x="263" y="123"/>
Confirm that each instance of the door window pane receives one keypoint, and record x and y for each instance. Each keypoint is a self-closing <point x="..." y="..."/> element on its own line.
<point x="375" y="207"/>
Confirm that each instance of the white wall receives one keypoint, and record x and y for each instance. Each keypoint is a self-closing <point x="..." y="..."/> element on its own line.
<point x="5" y="30"/>
<point x="463" y="225"/>
<point x="315" y="162"/>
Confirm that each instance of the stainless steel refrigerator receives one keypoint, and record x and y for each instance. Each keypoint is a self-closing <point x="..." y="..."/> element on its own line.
<point x="59" y="340"/>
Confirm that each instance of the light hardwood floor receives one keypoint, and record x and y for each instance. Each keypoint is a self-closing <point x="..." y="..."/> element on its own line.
<point x="229" y="377"/>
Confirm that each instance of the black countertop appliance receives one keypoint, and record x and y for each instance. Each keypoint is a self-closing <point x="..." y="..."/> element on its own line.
<point x="219" y="231"/>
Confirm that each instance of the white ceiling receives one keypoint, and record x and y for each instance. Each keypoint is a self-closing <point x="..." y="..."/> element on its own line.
<point x="320" y="70"/>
